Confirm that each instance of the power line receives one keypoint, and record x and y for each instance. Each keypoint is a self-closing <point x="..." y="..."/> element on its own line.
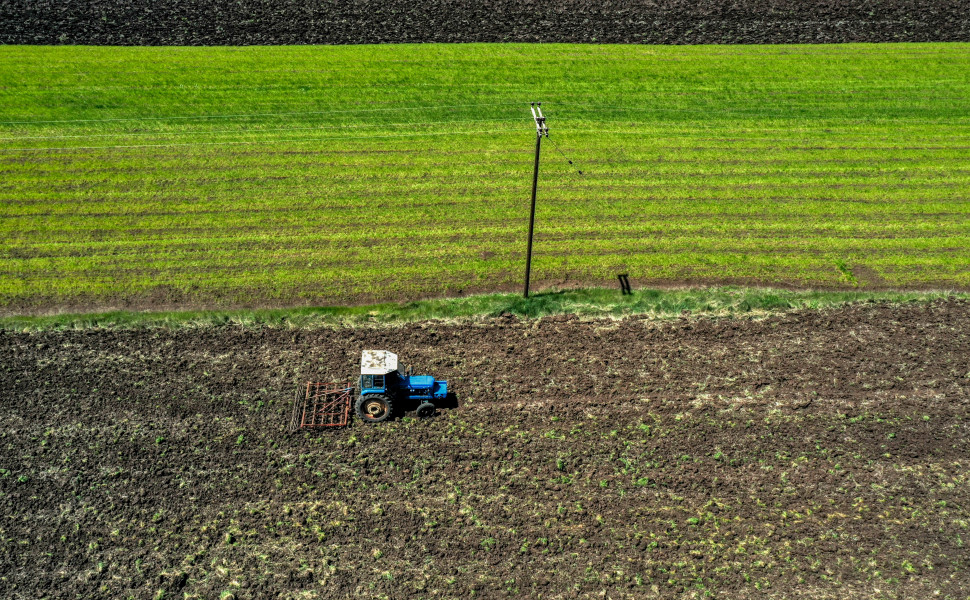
<point x="238" y="131"/>
<point x="280" y="114"/>
<point x="805" y="136"/>
<point x="795" y="86"/>
<point x="707" y="110"/>
<point x="660" y="133"/>
<point x="778" y="140"/>
<point x="269" y="141"/>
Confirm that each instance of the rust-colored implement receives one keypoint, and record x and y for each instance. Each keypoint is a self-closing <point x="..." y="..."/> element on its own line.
<point x="322" y="405"/>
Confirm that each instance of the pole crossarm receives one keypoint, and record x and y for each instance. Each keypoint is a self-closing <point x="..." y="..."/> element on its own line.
<point x="540" y="119"/>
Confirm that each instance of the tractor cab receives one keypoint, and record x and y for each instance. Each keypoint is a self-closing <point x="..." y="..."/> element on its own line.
<point x="386" y="386"/>
<point x="377" y="369"/>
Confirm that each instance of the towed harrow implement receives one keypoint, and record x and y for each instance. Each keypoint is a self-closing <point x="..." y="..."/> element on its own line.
<point x="320" y="405"/>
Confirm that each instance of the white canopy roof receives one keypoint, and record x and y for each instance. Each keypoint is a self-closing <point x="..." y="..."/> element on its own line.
<point x="377" y="362"/>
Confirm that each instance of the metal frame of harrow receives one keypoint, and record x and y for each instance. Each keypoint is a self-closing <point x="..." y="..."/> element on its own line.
<point x="322" y="405"/>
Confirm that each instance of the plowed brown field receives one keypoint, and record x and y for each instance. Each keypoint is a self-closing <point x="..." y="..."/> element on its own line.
<point x="809" y="454"/>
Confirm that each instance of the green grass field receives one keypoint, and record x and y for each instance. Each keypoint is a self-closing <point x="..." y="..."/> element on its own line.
<point x="318" y="175"/>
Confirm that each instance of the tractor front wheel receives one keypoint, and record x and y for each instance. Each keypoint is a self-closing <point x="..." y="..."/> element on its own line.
<point x="374" y="408"/>
<point x="426" y="410"/>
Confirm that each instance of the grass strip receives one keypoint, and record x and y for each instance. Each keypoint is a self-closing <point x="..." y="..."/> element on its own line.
<point x="590" y="302"/>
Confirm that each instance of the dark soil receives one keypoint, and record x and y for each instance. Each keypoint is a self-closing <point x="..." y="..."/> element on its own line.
<point x="242" y="22"/>
<point x="810" y="454"/>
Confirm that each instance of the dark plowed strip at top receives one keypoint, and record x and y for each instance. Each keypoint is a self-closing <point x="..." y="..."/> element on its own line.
<point x="243" y="22"/>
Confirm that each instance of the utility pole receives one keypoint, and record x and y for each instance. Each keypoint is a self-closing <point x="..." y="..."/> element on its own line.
<point x="541" y="130"/>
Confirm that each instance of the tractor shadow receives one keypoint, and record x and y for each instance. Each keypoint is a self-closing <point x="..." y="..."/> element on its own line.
<point x="449" y="402"/>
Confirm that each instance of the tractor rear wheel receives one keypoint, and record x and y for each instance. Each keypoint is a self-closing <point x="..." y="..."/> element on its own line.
<point x="374" y="408"/>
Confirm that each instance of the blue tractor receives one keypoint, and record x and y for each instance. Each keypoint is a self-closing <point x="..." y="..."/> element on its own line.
<point x="385" y="388"/>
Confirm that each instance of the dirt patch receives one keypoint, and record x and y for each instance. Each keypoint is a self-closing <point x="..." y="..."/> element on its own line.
<point x="811" y="454"/>
<point x="868" y="276"/>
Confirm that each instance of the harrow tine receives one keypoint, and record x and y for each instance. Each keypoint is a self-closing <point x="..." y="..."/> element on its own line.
<point x="295" y="414"/>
